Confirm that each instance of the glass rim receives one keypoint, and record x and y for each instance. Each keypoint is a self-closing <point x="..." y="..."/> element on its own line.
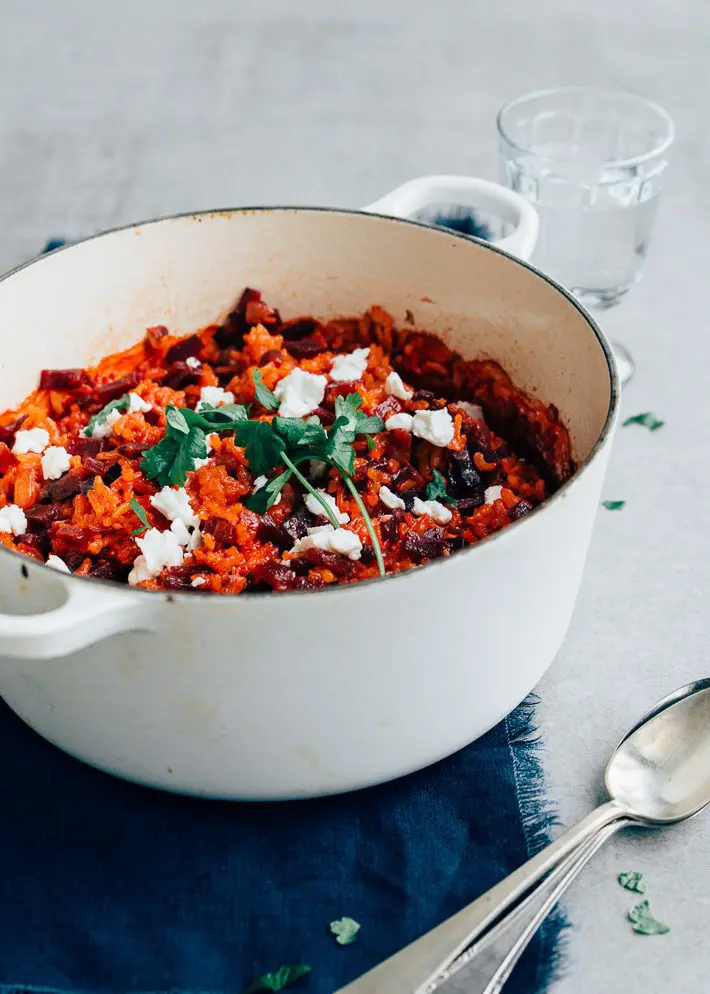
<point x="663" y="145"/>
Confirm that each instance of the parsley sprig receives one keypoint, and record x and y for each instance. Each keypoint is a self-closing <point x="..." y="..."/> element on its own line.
<point x="282" y="443"/>
<point x="139" y="512"/>
<point x="436" y="490"/>
<point x="119" y="404"/>
<point x="276" y="981"/>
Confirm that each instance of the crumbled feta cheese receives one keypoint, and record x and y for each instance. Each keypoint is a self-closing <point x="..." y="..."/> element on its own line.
<point x="188" y="539"/>
<point x="198" y="581"/>
<point x="214" y="397"/>
<point x="396" y="388"/>
<point x="159" y="550"/>
<point x="349" y="367"/>
<point x="174" y="504"/>
<point x="260" y="482"/>
<point x="300" y="393"/>
<point x="474" y="411"/>
<point x="330" y="539"/>
<point x="316" y="468"/>
<point x="402" y="421"/>
<point x="315" y="507"/>
<point x="13" y="520"/>
<point x="56" y="563"/>
<point x="438" y="512"/>
<point x="103" y="428"/>
<point x="436" y="427"/>
<point x="492" y="494"/>
<point x="136" y="404"/>
<point x="391" y="500"/>
<point x="55" y="462"/>
<point x="32" y="440"/>
<point x="192" y="362"/>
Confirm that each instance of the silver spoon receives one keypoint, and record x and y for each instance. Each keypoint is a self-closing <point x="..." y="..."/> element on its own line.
<point x="659" y="774"/>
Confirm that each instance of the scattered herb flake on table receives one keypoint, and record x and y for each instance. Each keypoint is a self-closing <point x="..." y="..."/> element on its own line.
<point x="613" y="505"/>
<point x="647" y="419"/>
<point x="345" y="930"/>
<point x="632" y="880"/>
<point x="285" y="976"/>
<point x="643" y="922"/>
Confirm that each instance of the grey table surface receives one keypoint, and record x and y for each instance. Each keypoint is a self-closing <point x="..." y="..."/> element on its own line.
<point x="114" y="113"/>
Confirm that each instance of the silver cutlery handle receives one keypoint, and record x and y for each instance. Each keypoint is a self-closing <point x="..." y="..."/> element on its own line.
<point x="487" y="965"/>
<point x="411" y="969"/>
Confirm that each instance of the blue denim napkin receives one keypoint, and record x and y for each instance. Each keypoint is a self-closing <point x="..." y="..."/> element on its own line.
<point x="112" y="888"/>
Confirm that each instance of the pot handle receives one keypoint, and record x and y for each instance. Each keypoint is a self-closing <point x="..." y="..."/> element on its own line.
<point x="86" y="616"/>
<point x="466" y="191"/>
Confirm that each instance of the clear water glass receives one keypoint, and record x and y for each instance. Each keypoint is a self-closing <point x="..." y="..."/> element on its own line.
<point x="593" y="162"/>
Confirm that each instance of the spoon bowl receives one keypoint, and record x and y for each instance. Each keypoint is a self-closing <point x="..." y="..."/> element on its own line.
<point x="660" y="771"/>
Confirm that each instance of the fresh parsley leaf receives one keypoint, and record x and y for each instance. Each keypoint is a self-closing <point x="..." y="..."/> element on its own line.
<point x="265" y="496"/>
<point x="643" y="922"/>
<point x="348" y="408"/>
<point x="120" y="404"/>
<point x="193" y="447"/>
<point x="345" y="930"/>
<point x="139" y="512"/>
<point x="221" y="418"/>
<point x="436" y="490"/>
<point x="176" y="420"/>
<point x="631" y="880"/>
<point x="370" y="442"/>
<point x="267" y="398"/>
<point x="300" y="434"/>
<point x="283" y="977"/>
<point x="613" y="505"/>
<point x="646" y="419"/>
<point x="172" y="458"/>
<point x="262" y="446"/>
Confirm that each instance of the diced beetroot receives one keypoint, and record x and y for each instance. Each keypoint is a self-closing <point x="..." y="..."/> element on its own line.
<point x="430" y="545"/>
<point x="388" y="407"/>
<point x="257" y="312"/>
<point x="273" y="355"/>
<point x="131" y="450"/>
<point x="6" y="458"/>
<point x="298" y="523"/>
<point x="184" y="349"/>
<point x="292" y="331"/>
<point x="280" y="576"/>
<point x="63" y="379"/>
<point x="44" y="514"/>
<point x="36" y="540"/>
<point x="80" y="446"/>
<point x="224" y="531"/>
<point x="520" y="510"/>
<point x="7" y="432"/>
<point x="268" y="531"/>
<point x="95" y="466"/>
<point x="340" y="566"/>
<point x="407" y="478"/>
<point x="154" y="334"/>
<point x="389" y="527"/>
<point x="72" y="558"/>
<point x="179" y="375"/>
<point x="62" y="489"/>
<point x="117" y="388"/>
<point x="235" y="327"/>
<point x="462" y="474"/>
<point x="306" y="348"/>
<point x="65" y="534"/>
<point x="468" y="504"/>
<point x="179" y="577"/>
<point x="109" y="569"/>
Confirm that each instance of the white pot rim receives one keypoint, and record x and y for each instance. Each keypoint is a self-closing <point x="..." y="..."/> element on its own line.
<point x="28" y="564"/>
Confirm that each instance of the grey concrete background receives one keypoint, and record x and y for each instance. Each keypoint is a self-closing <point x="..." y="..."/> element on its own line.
<point x="114" y="113"/>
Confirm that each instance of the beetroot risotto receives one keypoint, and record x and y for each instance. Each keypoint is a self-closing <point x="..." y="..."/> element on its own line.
<point x="267" y="455"/>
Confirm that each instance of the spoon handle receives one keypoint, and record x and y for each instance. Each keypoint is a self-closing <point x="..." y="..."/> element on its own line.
<point x="487" y="965"/>
<point x="411" y="969"/>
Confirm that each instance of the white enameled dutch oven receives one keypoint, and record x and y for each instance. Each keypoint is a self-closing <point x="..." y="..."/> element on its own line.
<point x="291" y="695"/>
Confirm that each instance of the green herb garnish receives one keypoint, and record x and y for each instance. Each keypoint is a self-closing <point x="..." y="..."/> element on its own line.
<point x="345" y="930"/>
<point x="283" y="442"/>
<point x="120" y="404"/>
<point x="185" y="440"/>
<point x="646" y="419"/>
<point x="283" y="977"/>
<point x="436" y="490"/>
<point x="613" y="505"/>
<point x="643" y="922"/>
<point x="631" y="880"/>
<point x="267" y="398"/>
<point x="139" y="512"/>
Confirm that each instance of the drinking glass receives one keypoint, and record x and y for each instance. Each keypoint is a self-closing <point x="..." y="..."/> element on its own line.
<point x="593" y="163"/>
